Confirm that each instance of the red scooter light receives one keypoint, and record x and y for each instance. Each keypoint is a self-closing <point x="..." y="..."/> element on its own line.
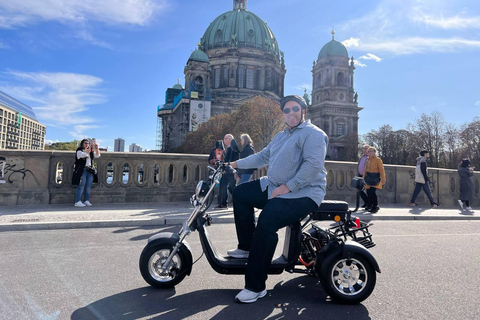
<point x="357" y="222"/>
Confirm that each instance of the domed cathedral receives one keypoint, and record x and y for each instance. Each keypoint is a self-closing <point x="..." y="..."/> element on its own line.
<point x="334" y="106"/>
<point x="238" y="58"/>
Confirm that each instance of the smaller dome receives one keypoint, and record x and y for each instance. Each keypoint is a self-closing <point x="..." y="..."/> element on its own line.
<point x="333" y="48"/>
<point x="199" y="55"/>
<point x="177" y="86"/>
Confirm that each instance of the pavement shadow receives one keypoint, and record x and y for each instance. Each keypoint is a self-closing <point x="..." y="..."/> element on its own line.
<point x="467" y="212"/>
<point x="299" y="298"/>
<point x="417" y="210"/>
<point x="154" y="229"/>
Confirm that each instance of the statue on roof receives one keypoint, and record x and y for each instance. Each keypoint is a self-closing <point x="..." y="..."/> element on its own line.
<point x="239" y="4"/>
<point x="306" y="97"/>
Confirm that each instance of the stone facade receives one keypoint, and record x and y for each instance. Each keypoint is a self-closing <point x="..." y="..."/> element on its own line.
<point x="238" y="58"/>
<point x="44" y="177"/>
<point x="334" y="106"/>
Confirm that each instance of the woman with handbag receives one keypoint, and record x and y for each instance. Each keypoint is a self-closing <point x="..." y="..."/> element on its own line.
<point x="247" y="150"/>
<point x="84" y="173"/>
<point x="374" y="176"/>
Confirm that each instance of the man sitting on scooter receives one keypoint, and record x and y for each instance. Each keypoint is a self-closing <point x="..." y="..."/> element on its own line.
<point x="294" y="186"/>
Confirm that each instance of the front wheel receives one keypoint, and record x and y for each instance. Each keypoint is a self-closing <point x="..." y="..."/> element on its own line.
<point x="348" y="280"/>
<point x="152" y="259"/>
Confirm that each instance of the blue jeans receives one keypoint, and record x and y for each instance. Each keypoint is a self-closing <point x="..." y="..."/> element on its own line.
<point x="426" y="188"/>
<point x="245" y="177"/>
<point x="262" y="240"/>
<point x="85" y="184"/>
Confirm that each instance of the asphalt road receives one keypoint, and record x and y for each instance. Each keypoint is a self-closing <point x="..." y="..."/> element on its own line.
<point x="429" y="271"/>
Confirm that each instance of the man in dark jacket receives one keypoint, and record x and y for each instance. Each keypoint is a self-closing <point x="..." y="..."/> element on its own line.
<point x="217" y="153"/>
<point x="228" y="179"/>
<point x="421" y="179"/>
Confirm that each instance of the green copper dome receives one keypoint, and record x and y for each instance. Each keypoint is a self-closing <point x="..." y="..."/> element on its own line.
<point x="199" y="55"/>
<point x="177" y="86"/>
<point x="333" y="48"/>
<point x="239" y="28"/>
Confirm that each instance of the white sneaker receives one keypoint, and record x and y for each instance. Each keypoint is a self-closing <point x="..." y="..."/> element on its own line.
<point x="79" y="204"/>
<point x="460" y="203"/>
<point x="87" y="203"/>
<point x="238" y="253"/>
<point x="469" y="208"/>
<point x="247" y="296"/>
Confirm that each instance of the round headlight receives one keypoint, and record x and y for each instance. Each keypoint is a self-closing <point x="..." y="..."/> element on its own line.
<point x="198" y="189"/>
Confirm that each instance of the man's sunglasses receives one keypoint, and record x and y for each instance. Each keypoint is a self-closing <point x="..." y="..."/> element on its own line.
<point x="294" y="108"/>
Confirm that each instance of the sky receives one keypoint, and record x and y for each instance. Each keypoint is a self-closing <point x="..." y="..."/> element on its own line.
<point x="99" y="69"/>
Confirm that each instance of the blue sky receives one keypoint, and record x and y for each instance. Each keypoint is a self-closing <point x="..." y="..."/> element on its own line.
<point x="99" y="69"/>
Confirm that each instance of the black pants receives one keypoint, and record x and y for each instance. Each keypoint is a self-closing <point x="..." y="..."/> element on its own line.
<point x="363" y="195"/>
<point x="372" y="197"/>
<point x="262" y="240"/>
<point x="227" y="182"/>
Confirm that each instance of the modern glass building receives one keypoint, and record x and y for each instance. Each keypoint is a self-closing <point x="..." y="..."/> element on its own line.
<point x="19" y="127"/>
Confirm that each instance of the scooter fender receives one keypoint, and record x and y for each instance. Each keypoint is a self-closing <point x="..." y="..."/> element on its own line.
<point x="351" y="247"/>
<point x="172" y="239"/>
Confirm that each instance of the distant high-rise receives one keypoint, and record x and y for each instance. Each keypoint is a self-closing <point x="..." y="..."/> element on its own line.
<point x="134" y="148"/>
<point x="119" y="145"/>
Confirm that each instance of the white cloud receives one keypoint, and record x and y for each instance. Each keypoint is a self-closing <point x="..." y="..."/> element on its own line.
<point x="456" y="22"/>
<point x="352" y="42"/>
<point x="411" y="27"/>
<point x="413" y="108"/>
<point x="401" y="46"/>
<point x="80" y="131"/>
<point x="59" y="99"/>
<point x="370" y="56"/>
<point x="359" y="64"/>
<point x="477" y="103"/>
<point x="135" y="12"/>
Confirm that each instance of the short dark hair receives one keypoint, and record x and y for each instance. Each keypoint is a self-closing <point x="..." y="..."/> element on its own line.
<point x="293" y="97"/>
<point x="422" y="153"/>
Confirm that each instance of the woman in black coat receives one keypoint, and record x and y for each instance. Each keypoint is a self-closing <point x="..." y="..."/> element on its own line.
<point x="466" y="185"/>
<point x="84" y="174"/>
<point x="247" y="149"/>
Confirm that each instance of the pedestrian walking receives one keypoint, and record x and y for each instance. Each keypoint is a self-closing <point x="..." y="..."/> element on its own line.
<point x="360" y="170"/>
<point x="465" y="172"/>
<point x="421" y="180"/>
<point x="375" y="178"/>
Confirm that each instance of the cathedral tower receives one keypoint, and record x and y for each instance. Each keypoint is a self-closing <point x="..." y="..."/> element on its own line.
<point x="334" y="106"/>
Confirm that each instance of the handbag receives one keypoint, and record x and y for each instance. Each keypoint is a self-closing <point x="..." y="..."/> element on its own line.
<point x="372" y="179"/>
<point x="357" y="183"/>
<point x="91" y="170"/>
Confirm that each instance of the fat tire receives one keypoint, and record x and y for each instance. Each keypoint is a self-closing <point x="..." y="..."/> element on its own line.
<point x="181" y="273"/>
<point x="327" y="279"/>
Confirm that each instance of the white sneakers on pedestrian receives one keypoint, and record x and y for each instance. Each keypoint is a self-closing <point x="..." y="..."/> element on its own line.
<point x="247" y="296"/>
<point x="87" y="203"/>
<point x="238" y="254"/>
<point x="79" y="204"/>
<point x="460" y="203"/>
<point x="469" y="208"/>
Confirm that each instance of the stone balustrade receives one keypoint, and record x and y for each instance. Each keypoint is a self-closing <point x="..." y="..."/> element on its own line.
<point x="44" y="177"/>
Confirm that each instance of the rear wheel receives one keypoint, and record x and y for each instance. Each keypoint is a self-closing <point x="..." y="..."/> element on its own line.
<point x="348" y="280"/>
<point x="152" y="259"/>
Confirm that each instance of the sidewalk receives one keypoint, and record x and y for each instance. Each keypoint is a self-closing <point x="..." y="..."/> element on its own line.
<point x="44" y="217"/>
